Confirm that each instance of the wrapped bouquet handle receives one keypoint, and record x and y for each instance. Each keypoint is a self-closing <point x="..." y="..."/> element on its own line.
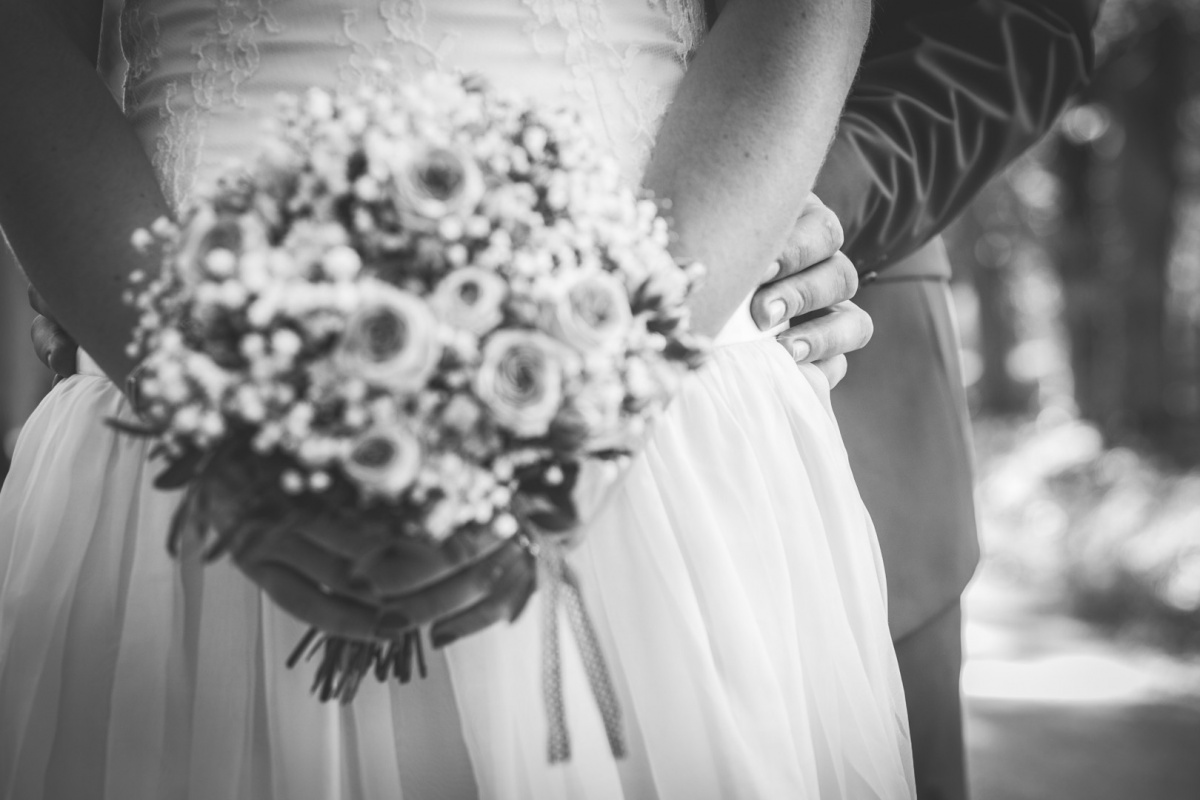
<point x="367" y="594"/>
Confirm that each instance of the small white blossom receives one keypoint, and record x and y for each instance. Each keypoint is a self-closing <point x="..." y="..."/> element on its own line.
<point x="292" y="482"/>
<point x="220" y="262"/>
<point x="505" y="526"/>
<point x="342" y="263"/>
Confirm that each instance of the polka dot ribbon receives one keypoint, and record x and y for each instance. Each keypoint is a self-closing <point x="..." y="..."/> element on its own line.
<point x="561" y="589"/>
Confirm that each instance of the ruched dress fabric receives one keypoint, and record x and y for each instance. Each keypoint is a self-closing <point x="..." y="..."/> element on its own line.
<point x="734" y="577"/>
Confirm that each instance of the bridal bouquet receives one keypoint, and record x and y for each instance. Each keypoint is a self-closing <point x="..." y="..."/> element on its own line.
<point x="412" y="318"/>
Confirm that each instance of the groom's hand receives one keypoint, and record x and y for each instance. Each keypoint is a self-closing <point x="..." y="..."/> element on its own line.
<point x="53" y="345"/>
<point x="811" y="284"/>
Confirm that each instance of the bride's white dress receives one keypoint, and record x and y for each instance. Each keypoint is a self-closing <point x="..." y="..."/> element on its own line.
<point x="734" y="579"/>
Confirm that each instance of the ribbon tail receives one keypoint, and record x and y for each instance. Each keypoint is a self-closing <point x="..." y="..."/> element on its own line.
<point x="594" y="663"/>
<point x="562" y="588"/>
<point x="559" y="742"/>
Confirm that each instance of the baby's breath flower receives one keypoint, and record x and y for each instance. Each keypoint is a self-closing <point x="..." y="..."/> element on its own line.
<point x="342" y="263"/>
<point x="477" y="227"/>
<point x="292" y="482"/>
<point x="286" y="342"/>
<point x="142" y="240"/>
<point x="220" y="262"/>
<point x="505" y="526"/>
<point x="318" y="104"/>
<point x="319" y="481"/>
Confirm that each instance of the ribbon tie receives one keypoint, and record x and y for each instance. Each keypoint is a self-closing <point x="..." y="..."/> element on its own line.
<point x="562" y="590"/>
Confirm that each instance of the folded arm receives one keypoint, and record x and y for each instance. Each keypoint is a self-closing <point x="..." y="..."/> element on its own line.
<point x="945" y="100"/>
<point x="76" y="180"/>
<point x="751" y="123"/>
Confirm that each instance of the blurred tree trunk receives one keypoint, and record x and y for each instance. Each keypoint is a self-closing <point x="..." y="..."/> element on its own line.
<point x="1120" y="195"/>
<point x="982" y="251"/>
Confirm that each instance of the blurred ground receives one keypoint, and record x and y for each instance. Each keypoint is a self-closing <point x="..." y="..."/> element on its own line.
<point x="1059" y="708"/>
<point x="1059" y="711"/>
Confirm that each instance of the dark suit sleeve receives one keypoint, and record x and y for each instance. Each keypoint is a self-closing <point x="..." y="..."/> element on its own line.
<point x="945" y="99"/>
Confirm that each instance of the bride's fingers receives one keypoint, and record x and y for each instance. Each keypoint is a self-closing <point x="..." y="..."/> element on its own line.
<point x="405" y="566"/>
<point x="505" y="604"/>
<point x="832" y="281"/>
<point x="53" y="346"/>
<point x="304" y="600"/>
<point x="367" y="546"/>
<point x="37" y="303"/>
<point x="830" y="332"/>
<point x="470" y="586"/>
<point x="313" y="564"/>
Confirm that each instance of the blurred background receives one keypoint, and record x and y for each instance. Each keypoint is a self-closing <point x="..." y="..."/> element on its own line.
<point x="1078" y="290"/>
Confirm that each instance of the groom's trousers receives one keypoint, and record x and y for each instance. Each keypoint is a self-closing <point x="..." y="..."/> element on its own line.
<point x="903" y="414"/>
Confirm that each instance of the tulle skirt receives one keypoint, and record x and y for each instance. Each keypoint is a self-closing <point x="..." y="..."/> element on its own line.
<point x="734" y="580"/>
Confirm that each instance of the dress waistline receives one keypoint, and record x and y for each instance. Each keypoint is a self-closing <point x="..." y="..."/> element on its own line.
<point x="86" y="365"/>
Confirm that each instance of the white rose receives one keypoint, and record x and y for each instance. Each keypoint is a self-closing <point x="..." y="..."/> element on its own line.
<point x="592" y="312"/>
<point x="436" y="182"/>
<point x="384" y="460"/>
<point x="520" y="380"/>
<point x="472" y="299"/>
<point x="391" y="340"/>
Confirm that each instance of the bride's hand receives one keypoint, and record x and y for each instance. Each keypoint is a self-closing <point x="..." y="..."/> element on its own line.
<point x="811" y="283"/>
<point x="53" y="345"/>
<point x="309" y="568"/>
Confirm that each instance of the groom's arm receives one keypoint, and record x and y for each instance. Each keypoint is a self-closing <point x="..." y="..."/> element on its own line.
<point x="945" y="99"/>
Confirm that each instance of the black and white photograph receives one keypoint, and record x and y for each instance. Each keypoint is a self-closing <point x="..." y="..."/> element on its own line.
<point x="599" y="400"/>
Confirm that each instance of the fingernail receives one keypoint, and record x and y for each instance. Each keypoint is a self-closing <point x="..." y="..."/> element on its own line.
<point x="800" y="349"/>
<point x="775" y="311"/>
<point x="772" y="271"/>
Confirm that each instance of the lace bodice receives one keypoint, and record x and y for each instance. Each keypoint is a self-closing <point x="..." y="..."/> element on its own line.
<point x="203" y="72"/>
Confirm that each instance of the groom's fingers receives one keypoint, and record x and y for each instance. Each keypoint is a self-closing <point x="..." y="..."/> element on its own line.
<point x="834" y="369"/>
<point x="816" y="236"/>
<point x="823" y="285"/>
<point x="830" y="332"/>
